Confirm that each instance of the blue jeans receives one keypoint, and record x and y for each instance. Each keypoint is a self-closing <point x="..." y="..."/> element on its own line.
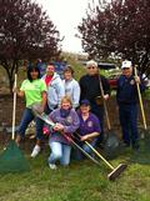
<point x="87" y="148"/>
<point x="27" y="117"/>
<point x="78" y="155"/>
<point x="98" y="110"/>
<point x="59" y="152"/>
<point x="128" y="121"/>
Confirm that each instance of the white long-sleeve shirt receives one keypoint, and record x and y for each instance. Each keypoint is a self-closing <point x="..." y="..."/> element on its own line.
<point x="72" y="89"/>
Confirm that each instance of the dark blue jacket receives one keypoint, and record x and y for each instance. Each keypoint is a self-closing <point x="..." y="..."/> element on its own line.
<point x="127" y="90"/>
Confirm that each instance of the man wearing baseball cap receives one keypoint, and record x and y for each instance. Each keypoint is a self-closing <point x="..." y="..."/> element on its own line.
<point x="127" y="99"/>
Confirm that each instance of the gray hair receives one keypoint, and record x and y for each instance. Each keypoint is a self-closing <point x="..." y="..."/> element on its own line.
<point x="91" y="63"/>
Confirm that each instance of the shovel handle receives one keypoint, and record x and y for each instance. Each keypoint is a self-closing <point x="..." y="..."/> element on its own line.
<point x="14" y="108"/>
<point x="104" y="102"/>
<point x="141" y="101"/>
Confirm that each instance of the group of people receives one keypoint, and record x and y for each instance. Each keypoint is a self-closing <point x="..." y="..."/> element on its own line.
<point x="77" y="108"/>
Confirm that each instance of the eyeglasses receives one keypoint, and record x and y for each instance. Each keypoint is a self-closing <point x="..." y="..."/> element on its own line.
<point x="91" y="67"/>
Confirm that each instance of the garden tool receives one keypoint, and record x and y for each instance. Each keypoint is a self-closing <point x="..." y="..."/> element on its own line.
<point x="112" y="141"/>
<point x="115" y="171"/>
<point x="12" y="159"/>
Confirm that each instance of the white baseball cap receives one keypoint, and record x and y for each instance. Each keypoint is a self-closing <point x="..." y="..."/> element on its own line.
<point x="126" y="64"/>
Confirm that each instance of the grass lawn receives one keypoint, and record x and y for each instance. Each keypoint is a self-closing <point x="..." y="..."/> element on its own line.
<point x="147" y="93"/>
<point x="81" y="181"/>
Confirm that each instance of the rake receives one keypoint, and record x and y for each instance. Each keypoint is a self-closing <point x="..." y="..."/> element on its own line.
<point x="12" y="159"/>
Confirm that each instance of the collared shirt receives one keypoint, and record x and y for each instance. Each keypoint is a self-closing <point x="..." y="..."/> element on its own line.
<point x="90" y="125"/>
<point x="127" y="90"/>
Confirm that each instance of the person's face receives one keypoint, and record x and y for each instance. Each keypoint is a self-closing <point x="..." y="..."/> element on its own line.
<point x="92" y="70"/>
<point x="67" y="75"/>
<point x="85" y="109"/>
<point x="50" y="70"/>
<point x="34" y="74"/>
<point x="127" y="71"/>
<point x="65" y="105"/>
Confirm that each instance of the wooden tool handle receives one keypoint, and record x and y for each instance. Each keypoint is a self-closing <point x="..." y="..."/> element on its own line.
<point x="99" y="155"/>
<point x="141" y="101"/>
<point x="104" y="102"/>
<point x="14" y="108"/>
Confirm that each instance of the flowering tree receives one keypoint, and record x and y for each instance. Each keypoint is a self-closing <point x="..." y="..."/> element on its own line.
<point x="121" y="27"/>
<point x="26" y="32"/>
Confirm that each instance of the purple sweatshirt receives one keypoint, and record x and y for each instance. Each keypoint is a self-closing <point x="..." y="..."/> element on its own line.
<point x="71" y="124"/>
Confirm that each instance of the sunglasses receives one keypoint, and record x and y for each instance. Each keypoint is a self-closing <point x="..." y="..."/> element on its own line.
<point x="125" y="68"/>
<point x="91" y="67"/>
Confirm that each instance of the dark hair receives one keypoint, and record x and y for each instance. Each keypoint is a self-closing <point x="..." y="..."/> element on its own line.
<point x="32" y="68"/>
<point x="51" y="64"/>
<point x="69" y="69"/>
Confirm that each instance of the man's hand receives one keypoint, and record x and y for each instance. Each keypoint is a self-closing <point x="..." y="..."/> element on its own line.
<point x="106" y="96"/>
<point x="137" y="79"/>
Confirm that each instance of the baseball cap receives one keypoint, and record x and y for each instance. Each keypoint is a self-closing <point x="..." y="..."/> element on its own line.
<point x="126" y="64"/>
<point x="85" y="102"/>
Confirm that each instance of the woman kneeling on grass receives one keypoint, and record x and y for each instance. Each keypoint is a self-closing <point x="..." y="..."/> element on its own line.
<point x="89" y="128"/>
<point x="67" y="122"/>
<point x="34" y="91"/>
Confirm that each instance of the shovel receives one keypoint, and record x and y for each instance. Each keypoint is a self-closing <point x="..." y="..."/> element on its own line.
<point x="145" y="132"/>
<point x="12" y="159"/>
<point x="111" y="142"/>
<point x="141" y="102"/>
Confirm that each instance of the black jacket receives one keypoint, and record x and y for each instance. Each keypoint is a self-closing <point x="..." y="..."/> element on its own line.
<point x="90" y="87"/>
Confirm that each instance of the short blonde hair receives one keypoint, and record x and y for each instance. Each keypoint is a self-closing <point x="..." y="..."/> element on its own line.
<point x="91" y="63"/>
<point x="66" y="98"/>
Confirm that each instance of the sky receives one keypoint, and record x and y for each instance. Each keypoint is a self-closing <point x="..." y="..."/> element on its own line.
<point x="66" y="15"/>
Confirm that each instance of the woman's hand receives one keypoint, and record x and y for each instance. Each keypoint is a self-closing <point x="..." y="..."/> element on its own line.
<point x="40" y="108"/>
<point x="18" y="92"/>
<point x="58" y="127"/>
<point x="84" y="138"/>
<point x="15" y="90"/>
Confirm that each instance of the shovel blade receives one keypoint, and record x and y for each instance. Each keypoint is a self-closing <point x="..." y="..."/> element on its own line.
<point x="111" y="144"/>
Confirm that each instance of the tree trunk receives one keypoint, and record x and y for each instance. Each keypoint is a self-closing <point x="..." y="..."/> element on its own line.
<point x="10" y="72"/>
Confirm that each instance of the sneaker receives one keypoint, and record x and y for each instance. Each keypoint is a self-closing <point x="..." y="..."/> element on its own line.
<point x="52" y="166"/>
<point x="35" y="151"/>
